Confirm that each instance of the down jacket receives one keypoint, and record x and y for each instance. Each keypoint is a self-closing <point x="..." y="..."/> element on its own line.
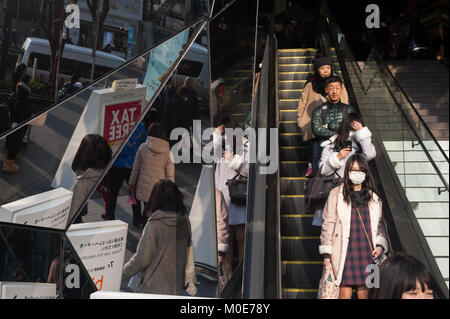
<point x="335" y="234"/>
<point x="153" y="162"/>
<point x="329" y="160"/>
<point x="308" y="102"/>
<point x="333" y="119"/>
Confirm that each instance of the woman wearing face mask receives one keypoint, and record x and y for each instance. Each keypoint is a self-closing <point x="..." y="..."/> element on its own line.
<point x="353" y="233"/>
<point x="314" y="95"/>
<point x="353" y="137"/>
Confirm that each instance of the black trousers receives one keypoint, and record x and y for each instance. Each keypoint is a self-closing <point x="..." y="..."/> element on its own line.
<point x="116" y="177"/>
<point x="13" y="142"/>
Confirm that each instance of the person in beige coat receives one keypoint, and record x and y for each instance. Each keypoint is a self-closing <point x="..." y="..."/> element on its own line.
<point x="153" y="162"/>
<point x="314" y="95"/>
<point x="353" y="232"/>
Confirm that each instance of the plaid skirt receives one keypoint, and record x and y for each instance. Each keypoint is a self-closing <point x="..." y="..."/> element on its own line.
<point x="359" y="255"/>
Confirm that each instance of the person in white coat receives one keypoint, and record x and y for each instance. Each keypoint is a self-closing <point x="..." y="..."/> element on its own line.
<point x="231" y="223"/>
<point x="352" y="138"/>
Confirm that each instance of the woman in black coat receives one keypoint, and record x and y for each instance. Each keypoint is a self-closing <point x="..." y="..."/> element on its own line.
<point x="20" y="112"/>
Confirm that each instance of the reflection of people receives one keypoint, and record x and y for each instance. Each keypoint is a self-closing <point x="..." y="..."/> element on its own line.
<point x="403" y="277"/>
<point x="121" y="170"/>
<point x="153" y="163"/>
<point x="90" y="160"/>
<point x="161" y="252"/>
<point x="229" y="166"/>
<point x="20" y="111"/>
<point x="353" y="213"/>
<point x="70" y="87"/>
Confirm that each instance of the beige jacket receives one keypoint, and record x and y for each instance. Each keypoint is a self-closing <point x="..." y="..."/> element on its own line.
<point x="153" y="162"/>
<point x="335" y="234"/>
<point x="308" y="102"/>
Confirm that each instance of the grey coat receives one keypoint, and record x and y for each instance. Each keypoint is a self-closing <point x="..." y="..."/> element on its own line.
<point x="329" y="159"/>
<point x="161" y="254"/>
<point x="81" y="188"/>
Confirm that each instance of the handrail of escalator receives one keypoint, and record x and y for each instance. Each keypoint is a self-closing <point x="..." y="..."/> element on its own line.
<point x="383" y="67"/>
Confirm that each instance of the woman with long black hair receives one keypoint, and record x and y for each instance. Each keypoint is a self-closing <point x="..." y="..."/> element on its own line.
<point x="353" y="233"/>
<point x="161" y="254"/>
<point x="404" y="277"/>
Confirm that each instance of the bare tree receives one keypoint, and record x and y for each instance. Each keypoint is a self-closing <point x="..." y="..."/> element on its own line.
<point x="93" y="5"/>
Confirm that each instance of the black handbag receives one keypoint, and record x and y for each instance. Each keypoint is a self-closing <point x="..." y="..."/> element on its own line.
<point x="237" y="187"/>
<point x="318" y="188"/>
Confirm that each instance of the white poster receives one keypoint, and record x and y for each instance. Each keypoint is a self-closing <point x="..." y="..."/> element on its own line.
<point x="92" y="122"/>
<point x="27" y="290"/>
<point x="203" y="221"/>
<point x="48" y="209"/>
<point x="101" y="247"/>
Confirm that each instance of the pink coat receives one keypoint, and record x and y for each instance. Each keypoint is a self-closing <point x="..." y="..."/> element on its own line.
<point x="335" y="234"/>
<point x="153" y="162"/>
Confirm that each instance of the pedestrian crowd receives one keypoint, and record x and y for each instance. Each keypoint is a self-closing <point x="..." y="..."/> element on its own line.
<point x="346" y="203"/>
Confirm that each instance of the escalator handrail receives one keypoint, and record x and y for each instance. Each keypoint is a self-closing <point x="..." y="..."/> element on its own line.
<point x="383" y="66"/>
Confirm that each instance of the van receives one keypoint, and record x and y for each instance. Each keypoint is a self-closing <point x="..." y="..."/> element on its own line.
<point x="195" y="65"/>
<point x="75" y="59"/>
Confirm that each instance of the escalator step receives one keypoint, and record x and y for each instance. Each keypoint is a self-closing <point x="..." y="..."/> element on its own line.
<point x="290" y="94"/>
<point x="288" y="115"/>
<point x="296" y="52"/>
<point x="295" y="59"/>
<point x="287" y="76"/>
<point x="289" y="104"/>
<point x="293" y="168"/>
<point x="291" y="84"/>
<point x="300" y="248"/>
<point x="298" y="226"/>
<point x="300" y="153"/>
<point x="290" y="139"/>
<point x="304" y="275"/>
<point x="295" y="67"/>
<point x="288" y="127"/>
<point x="293" y="185"/>
<point x="299" y="294"/>
<point x="292" y="205"/>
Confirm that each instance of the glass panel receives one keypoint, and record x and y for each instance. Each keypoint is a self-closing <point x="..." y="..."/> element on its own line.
<point x="232" y="55"/>
<point x="44" y="165"/>
<point x="77" y="283"/>
<point x="26" y="260"/>
<point x="34" y="33"/>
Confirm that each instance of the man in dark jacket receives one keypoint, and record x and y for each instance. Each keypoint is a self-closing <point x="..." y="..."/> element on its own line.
<point x="19" y="113"/>
<point x="327" y="118"/>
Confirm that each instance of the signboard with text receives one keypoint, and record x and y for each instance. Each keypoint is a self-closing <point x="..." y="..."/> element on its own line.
<point x="27" y="290"/>
<point x="101" y="247"/>
<point x="119" y="119"/>
<point x="48" y="209"/>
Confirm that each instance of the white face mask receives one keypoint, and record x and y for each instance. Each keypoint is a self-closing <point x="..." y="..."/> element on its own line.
<point x="357" y="177"/>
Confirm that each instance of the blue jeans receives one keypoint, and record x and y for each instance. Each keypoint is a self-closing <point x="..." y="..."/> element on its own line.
<point x="316" y="154"/>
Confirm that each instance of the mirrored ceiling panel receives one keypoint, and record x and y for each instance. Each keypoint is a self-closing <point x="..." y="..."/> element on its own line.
<point x="39" y="191"/>
<point x="53" y="42"/>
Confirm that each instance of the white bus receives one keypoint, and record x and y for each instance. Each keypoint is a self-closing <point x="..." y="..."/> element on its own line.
<point x="195" y="65"/>
<point x="75" y="59"/>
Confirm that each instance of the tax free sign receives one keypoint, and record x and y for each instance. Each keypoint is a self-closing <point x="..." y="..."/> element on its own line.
<point x="111" y="113"/>
<point x="119" y="119"/>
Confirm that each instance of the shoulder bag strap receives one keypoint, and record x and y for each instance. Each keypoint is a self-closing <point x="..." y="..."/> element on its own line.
<point x="365" y="231"/>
